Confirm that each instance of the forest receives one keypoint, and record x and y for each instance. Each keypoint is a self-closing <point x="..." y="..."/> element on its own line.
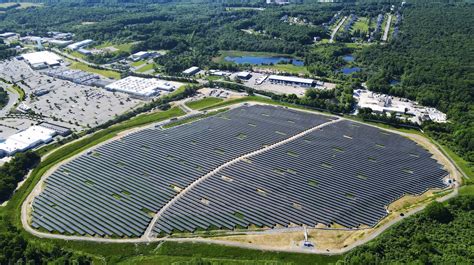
<point x="3" y="97"/>
<point x="432" y="61"/>
<point x="441" y="234"/>
<point x="14" y="171"/>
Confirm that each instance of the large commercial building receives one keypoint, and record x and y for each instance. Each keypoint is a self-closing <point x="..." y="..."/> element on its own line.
<point x="43" y="59"/>
<point x="191" y="71"/>
<point x="140" y="87"/>
<point x="60" y="43"/>
<point x="27" y="139"/>
<point x="291" y="80"/>
<point x="78" y="45"/>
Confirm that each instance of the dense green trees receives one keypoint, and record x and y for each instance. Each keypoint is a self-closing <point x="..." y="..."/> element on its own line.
<point x="441" y="234"/>
<point x="14" y="171"/>
<point x="432" y="58"/>
<point x="15" y="249"/>
<point x="3" y="97"/>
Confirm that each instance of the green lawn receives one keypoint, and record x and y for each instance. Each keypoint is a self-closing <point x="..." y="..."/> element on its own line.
<point x="126" y="47"/>
<point x="467" y="190"/>
<point x="138" y="63"/>
<point x="194" y="118"/>
<point x="203" y="103"/>
<point x="216" y="254"/>
<point x="78" y="55"/>
<point x="288" y="68"/>
<point x="146" y="68"/>
<point x="84" y="67"/>
<point x="362" y="24"/>
<point x="16" y="89"/>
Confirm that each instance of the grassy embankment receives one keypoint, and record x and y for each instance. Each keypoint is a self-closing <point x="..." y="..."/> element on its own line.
<point x="195" y="118"/>
<point x="84" y="67"/>
<point x="18" y="90"/>
<point x="203" y="103"/>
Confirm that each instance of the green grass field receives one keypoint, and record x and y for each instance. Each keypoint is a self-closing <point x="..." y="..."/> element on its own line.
<point x="84" y="67"/>
<point x="362" y="24"/>
<point x="195" y="253"/>
<point x="146" y="68"/>
<point x="16" y="89"/>
<point x="125" y="47"/>
<point x="204" y="103"/>
<point x="138" y="63"/>
<point x="288" y="68"/>
<point x="195" y="118"/>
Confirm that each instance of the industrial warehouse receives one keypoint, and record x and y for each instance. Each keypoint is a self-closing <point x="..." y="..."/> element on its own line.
<point x="41" y="60"/>
<point x="248" y="155"/>
<point x="140" y="87"/>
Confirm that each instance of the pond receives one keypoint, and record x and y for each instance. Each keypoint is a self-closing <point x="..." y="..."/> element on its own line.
<point x="350" y="70"/>
<point x="348" y="58"/>
<point x="259" y="60"/>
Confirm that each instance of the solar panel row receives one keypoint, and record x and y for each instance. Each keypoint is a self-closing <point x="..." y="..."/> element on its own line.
<point x="345" y="173"/>
<point x="115" y="189"/>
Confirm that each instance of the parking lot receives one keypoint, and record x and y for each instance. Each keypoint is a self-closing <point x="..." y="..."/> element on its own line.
<point x="62" y="102"/>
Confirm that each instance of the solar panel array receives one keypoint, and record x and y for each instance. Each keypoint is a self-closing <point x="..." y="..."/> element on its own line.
<point x="346" y="173"/>
<point x="115" y="189"/>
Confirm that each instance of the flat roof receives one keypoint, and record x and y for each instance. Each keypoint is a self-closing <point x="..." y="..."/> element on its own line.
<point x="139" y="86"/>
<point x="42" y="57"/>
<point x="191" y="70"/>
<point x="291" y="79"/>
<point x="26" y="139"/>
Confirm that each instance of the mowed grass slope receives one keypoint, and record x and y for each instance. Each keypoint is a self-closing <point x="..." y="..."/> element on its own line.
<point x="84" y="67"/>
<point x="170" y="252"/>
<point x="204" y="103"/>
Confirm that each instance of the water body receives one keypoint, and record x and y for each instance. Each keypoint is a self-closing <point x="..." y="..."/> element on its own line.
<point x="348" y="58"/>
<point x="259" y="60"/>
<point x="350" y="70"/>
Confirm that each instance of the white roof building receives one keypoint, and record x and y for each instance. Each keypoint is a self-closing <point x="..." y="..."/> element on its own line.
<point x="291" y="80"/>
<point x="27" y="139"/>
<point x="44" y="58"/>
<point x="7" y="34"/>
<point x="79" y="44"/>
<point x="191" y="71"/>
<point x="138" y="86"/>
<point x="60" y="43"/>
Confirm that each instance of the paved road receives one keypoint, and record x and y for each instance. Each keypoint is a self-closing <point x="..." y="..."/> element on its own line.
<point x="336" y="29"/>
<point x="387" y="28"/>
